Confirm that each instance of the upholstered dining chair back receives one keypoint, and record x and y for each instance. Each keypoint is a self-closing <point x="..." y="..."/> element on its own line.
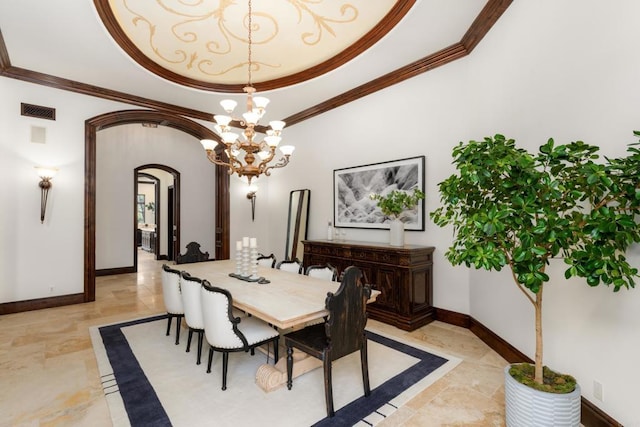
<point x="219" y="323"/>
<point x="226" y="333"/>
<point x="171" y="290"/>
<point x="267" y="260"/>
<point x="172" y="297"/>
<point x="326" y="271"/>
<point x="293" y="266"/>
<point x="191" y="299"/>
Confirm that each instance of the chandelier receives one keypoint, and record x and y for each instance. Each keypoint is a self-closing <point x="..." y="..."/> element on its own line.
<point x="246" y="156"/>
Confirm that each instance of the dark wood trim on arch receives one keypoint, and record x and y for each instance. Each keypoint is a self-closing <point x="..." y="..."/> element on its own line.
<point x="143" y="116"/>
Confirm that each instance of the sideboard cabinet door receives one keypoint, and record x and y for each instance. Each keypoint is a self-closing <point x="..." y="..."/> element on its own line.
<point x="403" y="275"/>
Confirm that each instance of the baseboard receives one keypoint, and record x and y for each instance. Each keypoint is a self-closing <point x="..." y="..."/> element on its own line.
<point x="591" y="415"/>
<point x="40" y="303"/>
<point x="112" y="271"/>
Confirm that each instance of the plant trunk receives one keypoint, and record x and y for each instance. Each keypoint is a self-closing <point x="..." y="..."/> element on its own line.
<point x="538" y="362"/>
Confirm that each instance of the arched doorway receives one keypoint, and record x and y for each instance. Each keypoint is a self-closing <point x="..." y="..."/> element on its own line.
<point x="92" y="126"/>
<point x="166" y="212"/>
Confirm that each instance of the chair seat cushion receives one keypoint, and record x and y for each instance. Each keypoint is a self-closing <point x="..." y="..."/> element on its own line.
<point x="310" y="338"/>
<point x="255" y="330"/>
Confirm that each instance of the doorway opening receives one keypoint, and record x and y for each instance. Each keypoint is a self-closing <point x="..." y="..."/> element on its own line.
<point x="157" y="224"/>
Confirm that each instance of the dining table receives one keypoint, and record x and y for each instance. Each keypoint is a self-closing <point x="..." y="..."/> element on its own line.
<point x="288" y="300"/>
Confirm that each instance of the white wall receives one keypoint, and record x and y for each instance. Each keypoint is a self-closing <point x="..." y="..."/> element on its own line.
<point x="572" y="78"/>
<point x="566" y="70"/>
<point x="41" y="260"/>
<point x="121" y="149"/>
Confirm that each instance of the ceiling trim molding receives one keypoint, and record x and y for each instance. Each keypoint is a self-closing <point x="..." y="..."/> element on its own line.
<point x="5" y="62"/>
<point x="100" y="92"/>
<point x="386" y="24"/>
<point x="479" y="28"/>
<point x="430" y="62"/>
<point x="489" y="15"/>
<point x="485" y="20"/>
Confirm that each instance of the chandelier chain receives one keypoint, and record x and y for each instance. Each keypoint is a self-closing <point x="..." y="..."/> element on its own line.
<point x="258" y="155"/>
<point x="250" y="41"/>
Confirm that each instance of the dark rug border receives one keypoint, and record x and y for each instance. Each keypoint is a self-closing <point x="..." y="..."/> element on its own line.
<point x="145" y="409"/>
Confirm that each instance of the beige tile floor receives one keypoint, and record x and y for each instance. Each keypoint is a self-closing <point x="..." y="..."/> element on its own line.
<point x="49" y="376"/>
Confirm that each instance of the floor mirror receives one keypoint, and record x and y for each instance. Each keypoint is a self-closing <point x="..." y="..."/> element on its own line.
<point x="297" y="223"/>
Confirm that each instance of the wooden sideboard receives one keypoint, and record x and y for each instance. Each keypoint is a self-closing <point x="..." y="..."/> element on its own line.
<point x="403" y="275"/>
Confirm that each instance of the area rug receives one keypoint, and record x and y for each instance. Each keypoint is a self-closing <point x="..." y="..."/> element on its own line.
<point x="150" y="381"/>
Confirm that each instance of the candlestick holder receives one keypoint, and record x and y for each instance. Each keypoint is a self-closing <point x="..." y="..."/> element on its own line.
<point x="239" y="262"/>
<point x="254" y="263"/>
<point x="245" y="261"/>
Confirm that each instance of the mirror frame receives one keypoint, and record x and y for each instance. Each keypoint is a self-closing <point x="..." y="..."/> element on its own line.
<point x="297" y="223"/>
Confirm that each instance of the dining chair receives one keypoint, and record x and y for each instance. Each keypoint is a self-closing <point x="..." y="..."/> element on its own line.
<point x="227" y="333"/>
<point x="293" y="266"/>
<point x="191" y="300"/>
<point x="342" y="334"/>
<point x="172" y="298"/>
<point x="326" y="271"/>
<point x="267" y="260"/>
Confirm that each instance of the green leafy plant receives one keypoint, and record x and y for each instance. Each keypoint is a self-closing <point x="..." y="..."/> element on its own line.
<point x="151" y="206"/>
<point x="510" y="208"/>
<point x="395" y="202"/>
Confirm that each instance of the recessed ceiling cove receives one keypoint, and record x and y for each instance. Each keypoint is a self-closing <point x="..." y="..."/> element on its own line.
<point x="204" y="43"/>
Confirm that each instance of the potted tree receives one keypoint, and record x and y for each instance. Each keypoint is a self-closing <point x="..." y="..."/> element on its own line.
<point x="393" y="204"/>
<point x="511" y="208"/>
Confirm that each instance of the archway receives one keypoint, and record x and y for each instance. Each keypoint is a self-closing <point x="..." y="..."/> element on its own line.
<point x="165" y="212"/>
<point x="92" y="126"/>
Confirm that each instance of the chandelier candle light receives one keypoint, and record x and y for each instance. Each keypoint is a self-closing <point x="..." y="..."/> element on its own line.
<point x="257" y="156"/>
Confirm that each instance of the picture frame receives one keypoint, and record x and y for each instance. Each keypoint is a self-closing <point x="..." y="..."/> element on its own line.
<point x="352" y="187"/>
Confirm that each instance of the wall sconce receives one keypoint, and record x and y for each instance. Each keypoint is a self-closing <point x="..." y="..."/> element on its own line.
<point x="45" y="174"/>
<point x="251" y="195"/>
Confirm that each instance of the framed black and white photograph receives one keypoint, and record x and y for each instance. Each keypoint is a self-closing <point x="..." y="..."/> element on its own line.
<point x="352" y="188"/>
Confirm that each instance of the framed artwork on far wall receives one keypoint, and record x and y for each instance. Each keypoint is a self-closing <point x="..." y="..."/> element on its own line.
<point x="352" y="206"/>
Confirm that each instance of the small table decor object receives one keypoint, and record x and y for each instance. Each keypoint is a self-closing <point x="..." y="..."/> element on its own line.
<point x="247" y="261"/>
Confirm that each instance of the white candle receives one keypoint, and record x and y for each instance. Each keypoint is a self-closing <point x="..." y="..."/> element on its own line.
<point x="245" y="241"/>
<point x="239" y="245"/>
<point x="254" y="242"/>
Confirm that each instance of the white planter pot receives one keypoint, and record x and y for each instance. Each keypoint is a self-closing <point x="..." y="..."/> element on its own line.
<point x="527" y="407"/>
<point x="396" y="233"/>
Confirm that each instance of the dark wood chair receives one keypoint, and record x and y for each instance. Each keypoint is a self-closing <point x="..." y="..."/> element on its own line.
<point x="193" y="254"/>
<point x="342" y="334"/>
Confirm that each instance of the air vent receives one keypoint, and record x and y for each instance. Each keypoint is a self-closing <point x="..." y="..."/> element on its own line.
<point x="38" y="111"/>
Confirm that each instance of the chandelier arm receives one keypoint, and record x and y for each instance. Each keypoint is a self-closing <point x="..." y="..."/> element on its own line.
<point x="214" y="158"/>
<point x="281" y="163"/>
<point x="262" y="166"/>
